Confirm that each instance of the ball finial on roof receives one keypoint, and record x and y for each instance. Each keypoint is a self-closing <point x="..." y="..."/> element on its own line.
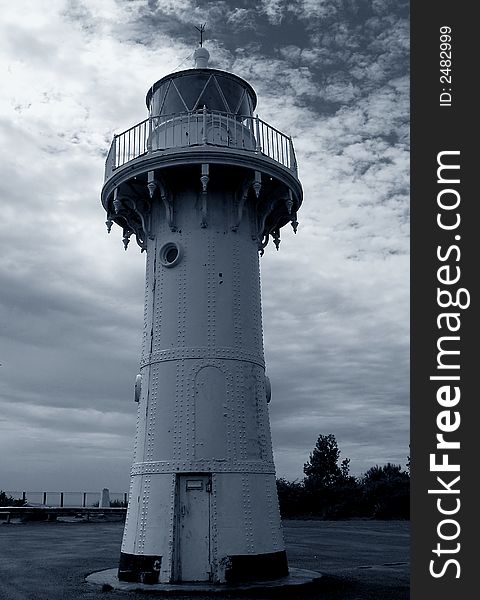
<point x="201" y="56"/>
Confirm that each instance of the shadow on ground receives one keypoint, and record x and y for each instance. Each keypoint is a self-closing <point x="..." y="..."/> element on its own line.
<point x="359" y="560"/>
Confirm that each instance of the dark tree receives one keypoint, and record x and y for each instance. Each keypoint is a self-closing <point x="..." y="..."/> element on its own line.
<point x="387" y="492"/>
<point x="322" y="469"/>
<point x="345" y="468"/>
<point x="330" y="490"/>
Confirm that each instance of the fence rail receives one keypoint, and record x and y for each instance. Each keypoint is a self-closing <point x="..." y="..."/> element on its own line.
<point x="68" y="499"/>
<point x="197" y="128"/>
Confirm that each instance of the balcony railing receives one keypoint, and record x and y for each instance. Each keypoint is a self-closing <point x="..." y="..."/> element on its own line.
<point x="200" y="128"/>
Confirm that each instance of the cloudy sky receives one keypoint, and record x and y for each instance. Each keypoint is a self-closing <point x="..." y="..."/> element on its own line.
<point x="331" y="73"/>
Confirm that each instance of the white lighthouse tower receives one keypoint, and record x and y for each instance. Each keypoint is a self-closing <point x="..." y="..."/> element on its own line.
<point x="202" y="185"/>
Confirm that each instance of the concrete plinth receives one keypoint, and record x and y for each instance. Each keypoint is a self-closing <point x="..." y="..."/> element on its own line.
<point x="296" y="578"/>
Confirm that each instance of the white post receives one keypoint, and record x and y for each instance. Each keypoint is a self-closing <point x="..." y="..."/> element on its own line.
<point x="104" y="498"/>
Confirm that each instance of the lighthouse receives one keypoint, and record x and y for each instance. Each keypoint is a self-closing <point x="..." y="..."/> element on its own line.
<point x="202" y="185"/>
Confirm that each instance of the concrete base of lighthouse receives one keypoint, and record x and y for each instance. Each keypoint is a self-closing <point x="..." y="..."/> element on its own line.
<point x="203" y="528"/>
<point x="239" y="568"/>
<point x="297" y="579"/>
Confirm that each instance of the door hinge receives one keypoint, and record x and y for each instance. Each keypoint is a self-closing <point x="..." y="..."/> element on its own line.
<point x="208" y="487"/>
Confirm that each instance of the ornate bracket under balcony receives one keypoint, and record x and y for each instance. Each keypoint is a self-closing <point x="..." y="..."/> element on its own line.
<point x="290" y="204"/>
<point x="294" y="223"/>
<point x="264" y="211"/>
<point x="274" y="210"/>
<point x="155" y="182"/>
<point x="132" y="213"/>
<point x="239" y="203"/>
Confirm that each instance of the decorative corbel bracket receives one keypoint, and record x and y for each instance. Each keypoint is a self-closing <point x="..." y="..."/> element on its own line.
<point x="167" y="203"/>
<point x="241" y="198"/>
<point x="109" y="222"/>
<point x="257" y="183"/>
<point x="144" y="216"/>
<point x="263" y="219"/>
<point x="117" y="205"/>
<point x="262" y="243"/>
<point x="289" y="202"/>
<point x="276" y="237"/>
<point x="127" y="232"/>
<point x="294" y="222"/>
<point x="133" y="228"/>
<point x="152" y="184"/>
<point x="127" y="211"/>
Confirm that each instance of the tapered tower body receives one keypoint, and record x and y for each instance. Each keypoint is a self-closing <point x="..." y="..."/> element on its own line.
<point x="202" y="185"/>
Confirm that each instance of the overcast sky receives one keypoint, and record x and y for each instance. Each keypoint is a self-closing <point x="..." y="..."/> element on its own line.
<point x="331" y="73"/>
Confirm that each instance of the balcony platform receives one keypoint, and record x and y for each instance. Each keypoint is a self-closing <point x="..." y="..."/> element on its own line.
<point x="208" y="153"/>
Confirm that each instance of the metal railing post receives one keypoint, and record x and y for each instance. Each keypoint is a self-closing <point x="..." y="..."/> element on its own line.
<point x="204" y="134"/>
<point x="258" y="147"/>
<point x="116" y="152"/>
<point x="24" y="496"/>
<point x="150" y="129"/>
<point x="61" y="499"/>
<point x="44" y="498"/>
<point x="134" y="144"/>
<point x="110" y="162"/>
<point x="293" y="160"/>
<point x="125" y="498"/>
<point x="114" y="158"/>
<point x="84" y="500"/>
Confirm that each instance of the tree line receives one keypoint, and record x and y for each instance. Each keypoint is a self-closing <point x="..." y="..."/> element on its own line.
<point x="328" y="490"/>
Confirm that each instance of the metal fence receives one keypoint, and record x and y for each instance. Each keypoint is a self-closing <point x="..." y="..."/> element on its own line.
<point x="68" y="499"/>
<point x="203" y="127"/>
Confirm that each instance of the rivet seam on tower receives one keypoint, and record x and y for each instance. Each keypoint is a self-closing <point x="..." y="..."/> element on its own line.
<point x="247" y="513"/>
<point x="236" y="292"/>
<point x="219" y="353"/>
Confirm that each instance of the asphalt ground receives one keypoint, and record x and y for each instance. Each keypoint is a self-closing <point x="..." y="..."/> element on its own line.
<point x="359" y="560"/>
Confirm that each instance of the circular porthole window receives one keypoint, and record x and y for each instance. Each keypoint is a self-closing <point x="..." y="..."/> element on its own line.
<point x="170" y="254"/>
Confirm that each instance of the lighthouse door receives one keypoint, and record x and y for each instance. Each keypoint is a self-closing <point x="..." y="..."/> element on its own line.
<point x="193" y="549"/>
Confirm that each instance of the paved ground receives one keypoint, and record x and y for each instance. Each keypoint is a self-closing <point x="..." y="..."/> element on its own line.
<point x="360" y="560"/>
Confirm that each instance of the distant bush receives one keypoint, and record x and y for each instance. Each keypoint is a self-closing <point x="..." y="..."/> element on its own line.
<point x="113" y="504"/>
<point x="117" y="504"/>
<point x="10" y="501"/>
<point x="387" y="492"/>
<point x="329" y="491"/>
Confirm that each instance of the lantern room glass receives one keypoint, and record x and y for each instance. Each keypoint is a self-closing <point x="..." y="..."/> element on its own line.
<point x="193" y="90"/>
